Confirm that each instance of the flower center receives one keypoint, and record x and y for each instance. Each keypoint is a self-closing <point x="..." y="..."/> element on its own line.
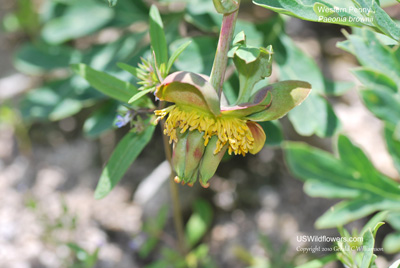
<point x="230" y="130"/>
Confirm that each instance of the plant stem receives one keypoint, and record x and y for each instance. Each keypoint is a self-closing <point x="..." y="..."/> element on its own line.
<point x="177" y="211"/>
<point x="221" y="57"/>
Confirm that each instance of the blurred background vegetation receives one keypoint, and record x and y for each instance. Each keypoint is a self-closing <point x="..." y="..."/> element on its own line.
<point x="57" y="131"/>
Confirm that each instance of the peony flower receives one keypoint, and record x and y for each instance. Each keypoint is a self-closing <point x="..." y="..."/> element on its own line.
<point x="202" y="130"/>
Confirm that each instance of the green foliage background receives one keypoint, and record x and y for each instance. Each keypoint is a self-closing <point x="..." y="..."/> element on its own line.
<point x="81" y="71"/>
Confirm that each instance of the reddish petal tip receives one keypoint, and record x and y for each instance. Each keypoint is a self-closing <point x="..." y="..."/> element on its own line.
<point x="205" y="185"/>
<point x="177" y="179"/>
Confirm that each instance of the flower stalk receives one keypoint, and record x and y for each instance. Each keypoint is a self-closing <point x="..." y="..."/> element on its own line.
<point x="177" y="210"/>
<point x="221" y="57"/>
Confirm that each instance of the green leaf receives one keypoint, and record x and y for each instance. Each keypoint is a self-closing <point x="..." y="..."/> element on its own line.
<point x="316" y="188"/>
<point x="157" y="264"/>
<point x="129" y="12"/>
<point x="127" y="150"/>
<point x="140" y="94"/>
<point x="273" y="131"/>
<point x="394" y="220"/>
<point x="173" y="256"/>
<point x="198" y="57"/>
<point x="112" y="2"/>
<point x="153" y="228"/>
<point x="383" y="104"/>
<point x="393" y="145"/>
<point x="336" y="88"/>
<point x="355" y="13"/>
<point x="157" y="37"/>
<point x="376" y="228"/>
<point x="105" y="57"/>
<point x="148" y="246"/>
<point x="101" y="120"/>
<point x="208" y="22"/>
<point x="199" y="222"/>
<point x="107" y="84"/>
<point x="288" y="55"/>
<point x="375" y="221"/>
<point x="348" y="211"/>
<point x="366" y="192"/>
<point x="200" y="7"/>
<point x="202" y="15"/>
<point x="315" y="115"/>
<point x="374" y="56"/>
<point x="130" y="69"/>
<point x="93" y="258"/>
<point x="26" y="16"/>
<point x="55" y="100"/>
<point x="385" y="3"/>
<point x="368" y="249"/>
<point x="176" y="54"/>
<point x="374" y="79"/>
<point x="66" y="108"/>
<point x="355" y="158"/>
<point x="202" y="251"/>
<point x="81" y="253"/>
<point x="79" y="19"/>
<point x="37" y="59"/>
<point x="319" y="263"/>
<point x="391" y="243"/>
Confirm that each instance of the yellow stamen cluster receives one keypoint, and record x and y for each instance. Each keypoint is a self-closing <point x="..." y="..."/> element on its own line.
<point x="230" y="130"/>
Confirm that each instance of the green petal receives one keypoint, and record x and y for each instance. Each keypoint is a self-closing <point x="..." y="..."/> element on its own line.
<point x="285" y="96"/>
<point x="189" y="89"/>
<point x="179" y="154"/>
<point x="210" y="161"/>
<point x="194" y="153"/>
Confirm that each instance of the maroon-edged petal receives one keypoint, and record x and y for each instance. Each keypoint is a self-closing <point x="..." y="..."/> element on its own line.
<point x="189" y="89"/>
<point x="258" y="135"/>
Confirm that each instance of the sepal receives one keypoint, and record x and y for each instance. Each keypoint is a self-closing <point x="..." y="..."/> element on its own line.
<point x="286" y="95"/>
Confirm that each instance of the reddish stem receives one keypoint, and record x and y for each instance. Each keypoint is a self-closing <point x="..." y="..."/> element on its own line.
<point x="221" y="57"/>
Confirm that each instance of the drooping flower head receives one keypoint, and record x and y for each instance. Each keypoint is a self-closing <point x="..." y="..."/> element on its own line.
<point x="202" y="130"/>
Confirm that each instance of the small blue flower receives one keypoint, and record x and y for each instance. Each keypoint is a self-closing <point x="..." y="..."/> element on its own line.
<point x="137" y="242"/>
<point x="123" y="120"/>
